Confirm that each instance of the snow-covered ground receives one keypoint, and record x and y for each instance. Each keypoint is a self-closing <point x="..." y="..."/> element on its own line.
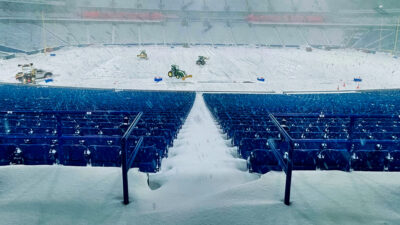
<point x="202" y="181"/>
<point x="229" y="68"/>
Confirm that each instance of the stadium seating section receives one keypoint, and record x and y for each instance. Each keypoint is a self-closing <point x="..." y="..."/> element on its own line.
<point x="186" y="24"/>
<point x="352" y="131"/>
<point x="80" y="127"/>
<point x="28" y="37"/>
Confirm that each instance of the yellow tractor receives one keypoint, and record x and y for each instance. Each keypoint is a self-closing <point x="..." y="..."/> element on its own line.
<point x="143" y="55"/>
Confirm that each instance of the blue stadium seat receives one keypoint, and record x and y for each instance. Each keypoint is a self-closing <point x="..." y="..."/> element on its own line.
<point x="88" y="131"/>
<point x="394" y="163"/>
<point x="69" y="131"/>
<point x="47" y="123"/>
<point x="239" y="135"/>
<point x="369" y="160"/>
<point x="74" y="155"/>
<point x="263" y="161"/>
<point x="247" y="145"/>
<point x="34" y="154"/>
<point x="104" y="155"/>
<point x="75" y="141"/>
<point x="101" y="140"/>
<point x="147" y="160"/>
<point x="16" y="141"/>
<point x="305" y="159"/>
<point x="6" y="154"/>
<point x="163" y="133"/>
<point x="336" y="145"/>
<point x="173" y="127"/>
<point x="22" y="130"/>
<point x="44" y="131"/>
<point x="158" y="142"/>
<point x="334" y="159"/>
<point x="140" y="132"/>
<point x="104" y="125"/>
<point x="307" y="145"/>
<point x="112" y="131"/>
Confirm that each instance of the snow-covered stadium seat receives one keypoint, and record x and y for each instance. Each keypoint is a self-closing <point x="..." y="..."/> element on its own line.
<point x="77" y="138"/>
<point x="347" y="139"/>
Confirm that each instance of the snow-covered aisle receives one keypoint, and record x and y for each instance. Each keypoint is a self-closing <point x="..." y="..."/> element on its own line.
<point x="200" y="164"/>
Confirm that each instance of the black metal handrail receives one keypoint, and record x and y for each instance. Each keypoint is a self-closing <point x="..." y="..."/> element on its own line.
<point x="131" y="126"/>
<point x="280" y="128"/>
<point x="288" y="166"/>
<point x="133" y="154"/>
<point x="277" y="154"/>
<point x="124" y="156"/>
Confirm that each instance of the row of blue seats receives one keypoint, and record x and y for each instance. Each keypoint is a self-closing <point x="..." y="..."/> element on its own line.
<point x="295" y="126"/>
<point x="31" y="133"/>
<point x="264" y="160"/>
<point x="86" y="122"/>
<point x="236" y="134"/>
<point x="247" y="145"/>
<point x="147" y="160"/>
<point x="164" y="136"/>
<point x="25" y="126"/>
<point x="54" y="98"/>
<point x="43" y="129"/>
<point x="374" y="102"/>
<point x="159" y="144"/>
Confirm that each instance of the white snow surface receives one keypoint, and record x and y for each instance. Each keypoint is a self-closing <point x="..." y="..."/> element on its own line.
<point x="229" y="68"/>
<point x="202" y="181"/>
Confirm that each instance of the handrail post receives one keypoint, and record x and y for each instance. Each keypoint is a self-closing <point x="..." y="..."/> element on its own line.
<point x="289" y="166"/>
<point x="124" y="171"/>
<point x="124" y="157"/>
<point x="289" y="173"/>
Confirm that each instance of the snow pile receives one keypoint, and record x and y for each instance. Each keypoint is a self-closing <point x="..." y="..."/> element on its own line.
<point x="229" y="68"/>
<point x="200" y="163"/>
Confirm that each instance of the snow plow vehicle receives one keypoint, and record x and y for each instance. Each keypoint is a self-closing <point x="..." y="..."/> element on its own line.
<point x="29" y="74"/>
<point x="176" y="72"/>
<point x="143" y="55"/>
<point x="201" y="61"/>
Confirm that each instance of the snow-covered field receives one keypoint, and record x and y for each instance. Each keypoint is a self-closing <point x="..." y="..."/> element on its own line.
<point x="229" y="68"/>
<point x="202" y="181"/>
